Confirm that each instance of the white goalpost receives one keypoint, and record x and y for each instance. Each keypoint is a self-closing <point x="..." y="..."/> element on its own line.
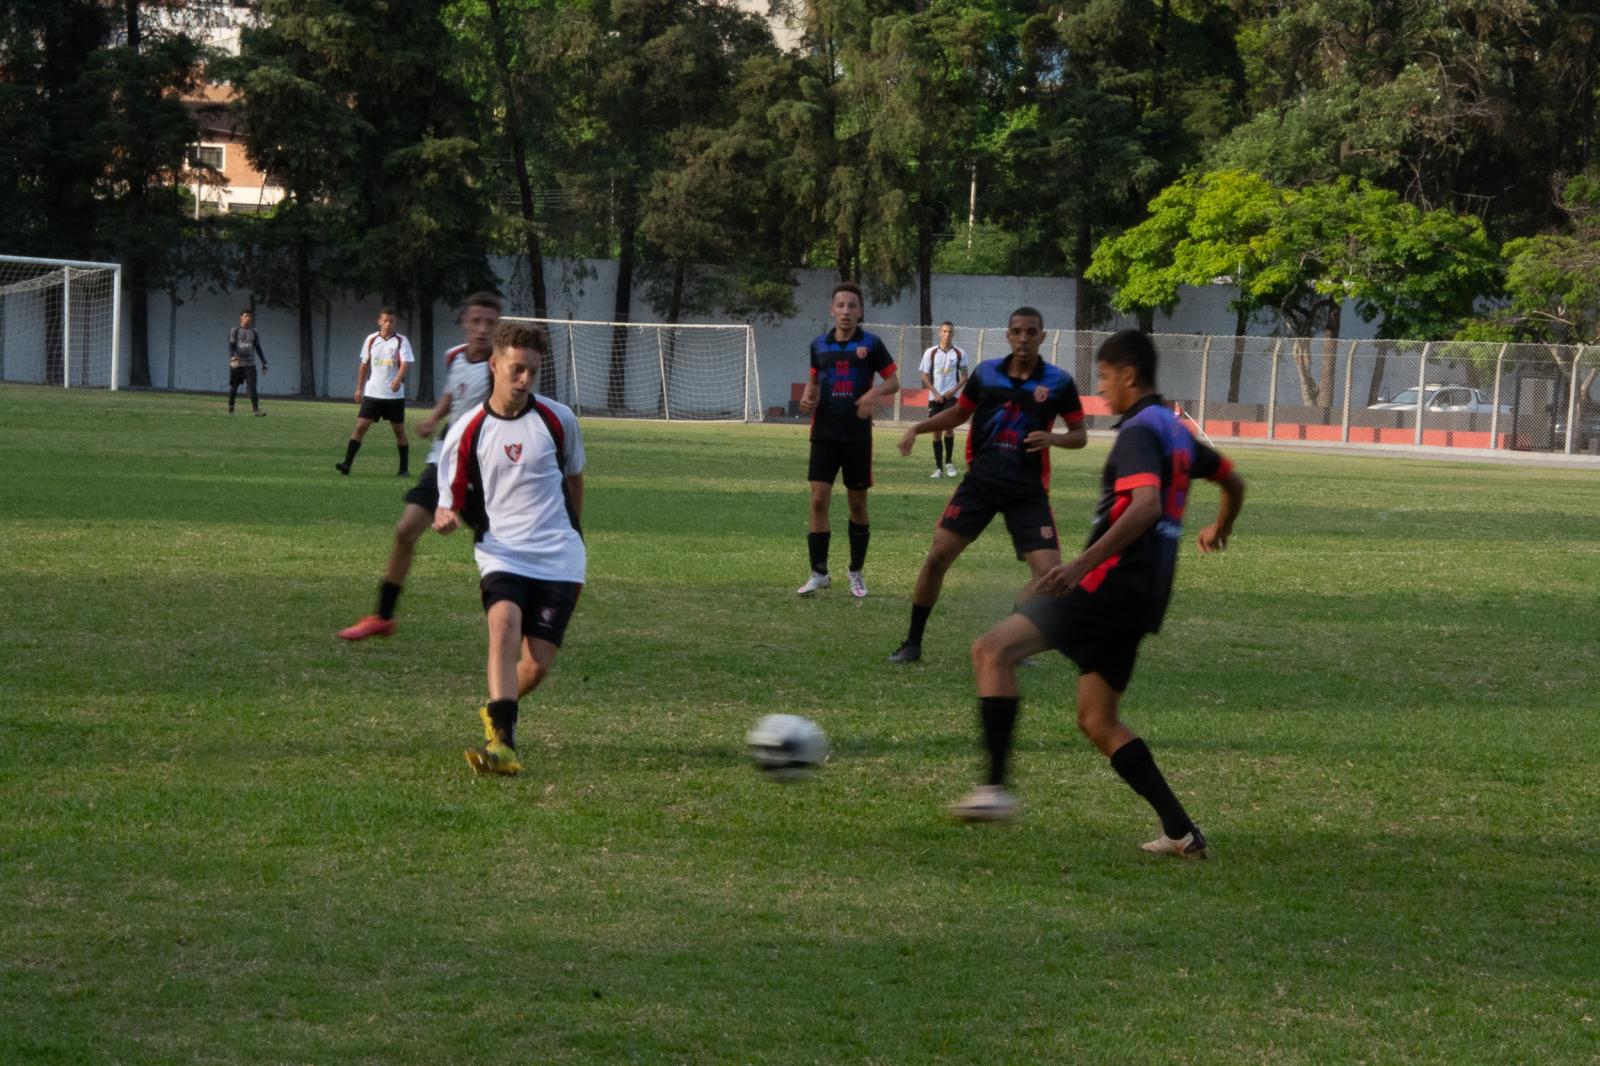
<point x="652" y="369"/>
<point x="60" y="322"/>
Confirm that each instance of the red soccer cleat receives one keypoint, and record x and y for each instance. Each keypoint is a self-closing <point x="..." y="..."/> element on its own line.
<point x="370" y="626"/>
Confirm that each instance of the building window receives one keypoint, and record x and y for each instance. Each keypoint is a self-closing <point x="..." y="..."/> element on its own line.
<point x="208" y="155"/>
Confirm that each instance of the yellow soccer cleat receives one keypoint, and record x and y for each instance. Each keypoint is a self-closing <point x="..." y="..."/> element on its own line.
<point x="488" y="724"/>
<point x="494" y="758"/>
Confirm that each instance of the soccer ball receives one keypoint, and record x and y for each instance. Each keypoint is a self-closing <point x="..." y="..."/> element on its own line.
<point x="786" y="747"/>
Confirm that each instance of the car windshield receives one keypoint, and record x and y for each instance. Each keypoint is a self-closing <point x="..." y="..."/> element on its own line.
<point x="1408" y="396"/>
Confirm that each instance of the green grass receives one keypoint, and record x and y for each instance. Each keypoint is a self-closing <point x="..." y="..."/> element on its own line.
<point x="226" y="836"/>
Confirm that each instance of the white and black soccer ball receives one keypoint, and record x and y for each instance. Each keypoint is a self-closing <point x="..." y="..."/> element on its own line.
<point x="786" y="747"/>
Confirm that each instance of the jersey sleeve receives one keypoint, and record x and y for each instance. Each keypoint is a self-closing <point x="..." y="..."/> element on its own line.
<point x="811" y="360"/>
<point x="450" y="462"/>
<point x="406" y="355"/>
<point x="1209" y="464"/>
<point x="1069" y="404"/>
<point x="574" y="441"/>
<point x="882" y="361"/>
<point x="366" y="350"/>
<point x="1136" y="459"/>
<point x="926" y="366"/>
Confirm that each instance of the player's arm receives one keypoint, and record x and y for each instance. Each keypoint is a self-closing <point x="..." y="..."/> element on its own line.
<point x="261" y="356"/>
<point x="1040" y="439"/>
<point x="890" y="384"/>
<point x="445" y="518"/>
<point x="945" y="421"/>
<point x="811" y="393"/>
<point x="575" y="494"/>
<point x="1143" y="511"/>
<point x="406" y="359"/>
<point x="361" y="377"/>
<point x="1213" y="467"/>
<point x="927" y="383"/>
<point x="435" y="416"/>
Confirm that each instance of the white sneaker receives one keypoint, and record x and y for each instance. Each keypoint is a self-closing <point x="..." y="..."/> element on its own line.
<point x="937" y="473"/>
<point x="950" y="470"/>
<point x="815" y="582"/>
<point x="858" y="584"/>
<point x="1192" y="845"/>
<point x="986" y="803"/>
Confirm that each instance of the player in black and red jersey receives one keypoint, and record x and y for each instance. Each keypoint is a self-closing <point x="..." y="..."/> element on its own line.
<point x="840" y="396"/>
<point x="1013" y="404"/>
<point x="1096" y="608"/>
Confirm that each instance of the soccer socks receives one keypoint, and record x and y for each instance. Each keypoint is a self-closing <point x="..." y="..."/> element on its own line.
<point x="1137" y="767"/>
<point x="859" y="535"/>
<point x="938" y="452"/>
<point x="388" y="595"/>
<point x="999" y="715"/>
<point x="405" y="458"/>
<point x="919" y="622"/>
<point x="503" y="715"/>
<point x="351" y="447"/>
<point x="817" y="545"/>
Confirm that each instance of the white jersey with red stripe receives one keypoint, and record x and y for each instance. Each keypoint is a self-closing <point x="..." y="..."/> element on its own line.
<point x="468" y="385"/>
<point x="386" y="357"/>
<point x="507" y="479"/>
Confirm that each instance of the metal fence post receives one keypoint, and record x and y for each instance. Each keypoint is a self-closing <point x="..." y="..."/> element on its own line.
<point x="1272" y="393"/>
<point x="1572" y="399"/>
<point x="1205" y="372"/>
<point x="1494" y="414"/>
<point x="1344" y="418"/>
<point x="900" y="358"/>
<point x="1055" y="347"/>
<point x="1422" y="387"/>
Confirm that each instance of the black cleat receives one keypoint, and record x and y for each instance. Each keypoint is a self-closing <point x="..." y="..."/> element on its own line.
<point x="402" y="473"/>
<point x="906" y="653"/>
<point x="343" y="468"/>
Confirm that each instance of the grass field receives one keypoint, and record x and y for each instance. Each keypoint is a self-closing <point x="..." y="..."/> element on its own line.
<point x="226" y="836"/>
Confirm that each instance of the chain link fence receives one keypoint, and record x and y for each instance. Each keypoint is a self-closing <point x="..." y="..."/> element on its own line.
<point x="1454" y="394"/>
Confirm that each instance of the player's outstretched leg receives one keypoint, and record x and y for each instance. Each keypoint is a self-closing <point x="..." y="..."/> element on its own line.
<point x="1131" y="759"/>
<point x="414" y="521"/>
<point x="532" y="668"/>
<point x="946" y="548"/>
<point x="499" y="754"/>
<point x="994" y="657"/>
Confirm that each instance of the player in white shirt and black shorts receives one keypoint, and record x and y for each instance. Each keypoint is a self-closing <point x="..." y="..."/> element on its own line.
<point x="386" y="358"/>
<point x="512" y="471"/>
<point x="466" y="386"/>
<point x="943" y="367"/>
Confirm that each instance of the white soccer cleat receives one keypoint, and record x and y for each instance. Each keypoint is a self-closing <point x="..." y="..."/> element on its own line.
<point x="1192" y="845"/>
<point x="858" y="585"/>
<point x="950" y="470"/>
<point x="986" y="803"/>
<point x="814" y="584"/>
<point x="936" y="473"/>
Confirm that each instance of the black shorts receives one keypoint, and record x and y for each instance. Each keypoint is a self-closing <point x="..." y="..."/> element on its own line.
<point x="241" y="375"/>
<point x="829" y="457"/>
<point x="425" y="493"/>
<point x="1101" y="637"/>
<point x="1028" y="516"/>
<point x="546" y="606"/>
<point x="939" y="406"/>
<point x="378" y="410"/>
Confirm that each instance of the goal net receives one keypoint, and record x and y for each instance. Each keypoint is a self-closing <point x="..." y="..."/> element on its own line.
<point x="59" y="322"/>
<point x="652" y="370"/>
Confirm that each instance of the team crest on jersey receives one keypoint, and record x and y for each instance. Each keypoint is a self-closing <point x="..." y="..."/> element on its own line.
<point x="861" y="352"/>
<point x="514" y="452"/>
<point x="1041" y="393"/>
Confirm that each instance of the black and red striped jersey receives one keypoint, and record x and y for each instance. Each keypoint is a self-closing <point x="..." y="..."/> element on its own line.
<point x="1153" y="448"/>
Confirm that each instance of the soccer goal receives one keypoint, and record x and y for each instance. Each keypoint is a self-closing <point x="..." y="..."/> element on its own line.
<point x="652" y="370"/>
<point x="60" y="322"/>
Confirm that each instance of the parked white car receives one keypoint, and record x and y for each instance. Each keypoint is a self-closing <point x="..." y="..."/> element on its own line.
<point x="1446" y="399"/>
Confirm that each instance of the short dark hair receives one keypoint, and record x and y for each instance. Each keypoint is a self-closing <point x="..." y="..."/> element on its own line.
<point x="387" y="311"/>
<point x="249" y="312"/>
<point x="483" y="299"/>
<point x="1025" y="312"/>
<point x="947" y="322"/>
<point x="521" y="335"/>
<point x="1129" y="347"/>
<point x="848" y="286"/>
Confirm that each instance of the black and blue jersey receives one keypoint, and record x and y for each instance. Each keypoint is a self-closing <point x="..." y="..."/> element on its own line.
<point x="1153" y="448"/>
<point x="1005" y="410"/>
<point x="843" y="371"/>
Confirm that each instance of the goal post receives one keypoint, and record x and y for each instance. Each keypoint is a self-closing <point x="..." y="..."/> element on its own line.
<point x="60" y="322"/>
<point x="654" y="370"/>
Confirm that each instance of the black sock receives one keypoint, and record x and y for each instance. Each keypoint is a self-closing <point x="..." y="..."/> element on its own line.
<point x="919" y="622"/>
<point x="388" y="594"/>
<point x="999" y="714"/>
<point x="949" y="449"/>
<point x="817" y="545"/>
<point x="1138" y="768"/>
<point x="859" y="535"/>
<point x="938" y="452"/>
<point x="350" y="450"/>
<point x="405" y="457"/>
<point x="503" y="713"/>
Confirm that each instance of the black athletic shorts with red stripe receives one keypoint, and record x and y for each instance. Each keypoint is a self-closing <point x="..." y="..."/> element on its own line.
<point x="1028" y="516"/>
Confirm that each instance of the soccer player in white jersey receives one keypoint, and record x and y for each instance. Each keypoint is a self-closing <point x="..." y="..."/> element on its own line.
<point x="512" y="470"/>
<point x="381" y="390"/>
<point x="943" y="369"/>
<point x="466" y="386"/>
